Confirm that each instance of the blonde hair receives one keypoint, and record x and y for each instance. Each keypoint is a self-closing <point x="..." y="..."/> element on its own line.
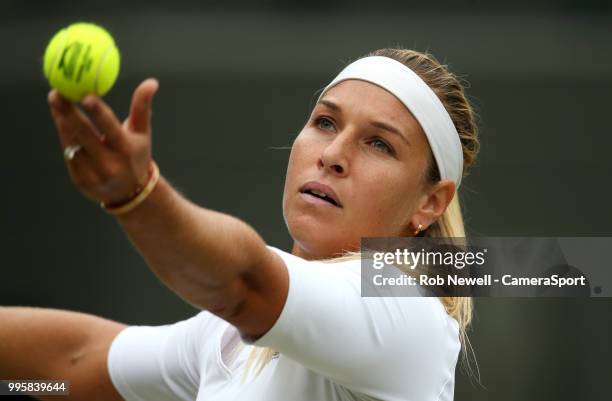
<point x="449" y="88"/>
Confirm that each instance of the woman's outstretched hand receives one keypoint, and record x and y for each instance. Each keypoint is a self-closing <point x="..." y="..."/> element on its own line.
<point x="114" y="158"/>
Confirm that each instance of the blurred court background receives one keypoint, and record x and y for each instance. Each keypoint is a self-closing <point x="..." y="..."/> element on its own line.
<point x="238" y="78"/>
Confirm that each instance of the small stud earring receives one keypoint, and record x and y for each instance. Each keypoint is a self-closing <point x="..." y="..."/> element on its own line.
<point x="418" y="230"/>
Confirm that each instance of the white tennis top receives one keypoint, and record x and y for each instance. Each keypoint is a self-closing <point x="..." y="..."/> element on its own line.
<point x="332" y="345"/>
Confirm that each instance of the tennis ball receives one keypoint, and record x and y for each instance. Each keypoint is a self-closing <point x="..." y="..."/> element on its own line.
<point x="81" y="59"/>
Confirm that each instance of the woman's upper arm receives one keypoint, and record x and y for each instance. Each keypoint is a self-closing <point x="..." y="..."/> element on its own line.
<point x="260" y="293"/>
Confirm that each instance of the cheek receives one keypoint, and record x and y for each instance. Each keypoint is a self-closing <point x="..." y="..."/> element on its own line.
<point x="303" y="154"/>
<point x="296" y="158"/>
<point x="298" y="161"/>
<point x="389" y="195"/>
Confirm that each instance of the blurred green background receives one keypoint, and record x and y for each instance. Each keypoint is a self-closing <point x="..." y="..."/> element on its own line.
<point x="238" y="79"/>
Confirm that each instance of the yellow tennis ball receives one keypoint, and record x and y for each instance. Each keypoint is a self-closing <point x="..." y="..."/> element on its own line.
<point x="81" y="59"/>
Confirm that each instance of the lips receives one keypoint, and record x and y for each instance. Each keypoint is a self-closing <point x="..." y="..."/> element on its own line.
<point x="322" y="191"/>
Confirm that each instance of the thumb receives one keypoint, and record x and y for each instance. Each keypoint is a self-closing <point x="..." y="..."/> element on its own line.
<point x="140" y="110"/>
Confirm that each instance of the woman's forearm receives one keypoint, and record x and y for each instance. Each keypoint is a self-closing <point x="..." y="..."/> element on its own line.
<point x="201" y="254"/>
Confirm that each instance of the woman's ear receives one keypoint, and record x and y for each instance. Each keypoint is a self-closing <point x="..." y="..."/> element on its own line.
<point x="433" y="203"/>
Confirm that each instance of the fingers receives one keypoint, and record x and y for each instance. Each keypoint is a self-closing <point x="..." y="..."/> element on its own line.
<point x="113" y="157"/>
<point x="140" y="110"/>
<point x="74" y="127"/>
<point x="59" y="106"/>
<point x="105" y="120"/>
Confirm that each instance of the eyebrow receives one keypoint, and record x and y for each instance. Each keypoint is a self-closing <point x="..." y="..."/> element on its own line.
<point x="377" y="124"/>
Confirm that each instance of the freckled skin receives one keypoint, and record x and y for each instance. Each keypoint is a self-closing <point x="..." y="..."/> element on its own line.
<point x="382" y="194"/>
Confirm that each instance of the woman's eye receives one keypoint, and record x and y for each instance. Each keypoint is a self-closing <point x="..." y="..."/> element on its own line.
<point x="385" y="148"/>
<point x="324" y="123"/>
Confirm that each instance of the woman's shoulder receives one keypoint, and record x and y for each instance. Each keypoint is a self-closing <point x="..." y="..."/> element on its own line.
<point x="405" y="311"/>
<point x="360" y="342"/>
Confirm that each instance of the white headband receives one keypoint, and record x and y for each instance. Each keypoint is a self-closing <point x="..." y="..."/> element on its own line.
<point x="422" y="102"/>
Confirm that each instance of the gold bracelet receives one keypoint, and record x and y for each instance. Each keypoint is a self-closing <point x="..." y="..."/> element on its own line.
<point x="139" y="198"/>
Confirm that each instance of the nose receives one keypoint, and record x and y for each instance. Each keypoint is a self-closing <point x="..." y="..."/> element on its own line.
<point x="334" y="156"/>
